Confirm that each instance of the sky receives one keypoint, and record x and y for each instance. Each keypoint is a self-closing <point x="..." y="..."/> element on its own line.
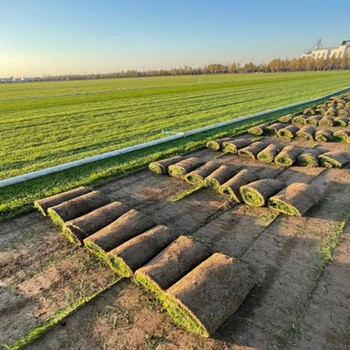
<point x="41" y="37"/>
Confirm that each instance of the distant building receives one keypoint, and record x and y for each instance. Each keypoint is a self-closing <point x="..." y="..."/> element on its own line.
<point x="318" y="51"/>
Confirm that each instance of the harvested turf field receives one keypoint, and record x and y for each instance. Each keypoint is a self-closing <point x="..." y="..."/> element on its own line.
<point x="299" y="299"/>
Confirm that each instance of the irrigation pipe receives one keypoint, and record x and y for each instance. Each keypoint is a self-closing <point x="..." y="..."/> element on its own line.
<point x="57" y="168"/>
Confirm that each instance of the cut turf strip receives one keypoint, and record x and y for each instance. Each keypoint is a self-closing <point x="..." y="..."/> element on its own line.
<point x="309" y="157"/>
<point x="203" y="299"/>
<point x="128" y="226"/>
<point x="288" y="156"/>
<point x="296" y="199"/>
<point x="334" y="159"/>
<point x="217" y="145"/>
<point x="78" y="206"/>
<point x="257" y="193"/>
<point x="288" y="132"/>
<point x="342" y="136"/>
<point x="182" y="168"/>
<point x="306" y="133"/>
<point x="236" y="144"/>
<point x="44" y="204"/>
<point x="78" y="229"/>
<point x="274" y="128"/>
<point x="197" y="177"/>
<point x="232" y="186"/>
<point x="170" y="265"/>
<point x="258" y="130"/>
<point x="252" y="150"/>
<point x="220" y="176"/>
<point x="138" y="251"/>
<point x="161" y="166"/>
<point x="324" y="135"/>
<point x="268" y="154"/>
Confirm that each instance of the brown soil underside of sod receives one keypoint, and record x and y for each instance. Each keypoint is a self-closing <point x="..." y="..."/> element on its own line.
<point x="284" y="250"/>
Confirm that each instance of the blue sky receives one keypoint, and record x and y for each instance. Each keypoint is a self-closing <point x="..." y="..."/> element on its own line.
<point x="74" y="36"/>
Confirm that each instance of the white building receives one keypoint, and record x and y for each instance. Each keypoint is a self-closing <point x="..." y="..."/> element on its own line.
<point x="318" y="51"/>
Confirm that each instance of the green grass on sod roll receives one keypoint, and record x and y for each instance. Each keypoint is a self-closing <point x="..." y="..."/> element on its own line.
<point x="334" y="159"/>
<point x="182" y="168"/>
<point x="326" y="121"/>
<point x="161" y="166"/>
<point x="273" y="128"/>
<point x="288" y="156"/>
<point x="258" y="130"/>
<point x="216" y="145"/>
<point x="342" y="136"/>
<point x="309" y="157"/>
<point x="296" y="199"/>
<point x="313" y="120"/>
<point x="197" y="176"/>
<point x="299" y="119"/>
<point x="341" y="121"/>
<point x="234" y="145"/>
<point x="257" y="193"/>
<point x="268" y="154"/>
<point x="288" y="132"/>
<point x="306" y="133"/>
<point x="286" y="118"/>
<point x="324" y="135"/>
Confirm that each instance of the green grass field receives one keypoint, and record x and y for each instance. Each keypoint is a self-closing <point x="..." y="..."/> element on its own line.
<point x="45" y="124"/>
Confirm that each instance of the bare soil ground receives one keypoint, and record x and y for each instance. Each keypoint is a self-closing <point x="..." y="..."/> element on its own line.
<point x="298" y="302"/>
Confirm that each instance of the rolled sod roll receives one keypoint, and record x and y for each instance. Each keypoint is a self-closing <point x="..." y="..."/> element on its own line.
<point x="342" y="136"/>
<point x="344" y="113"/>
<point x="208" y="295"/>
<point x="288" y="132"/>
<point x="44" y="204"/>
<point x="78" y="206"/>
<point x="341" y="121"/>
<point x="335" y="159"/>
<point x="126" y="227"/>
<point x="219" y="176"/>
<point x="252" y="150"/>
<point x="286" y="118"/>
<point x="258" y="129"/>
<point x="182" y="168"/>
<point x="234" y="145"/>
<point x="216" y="145"/>
<point x="136" y="252"/>
<point x="258" y="192"/>
<point x="269" y="153"/>
<point x="299" y="119"/>
<point x="288" y="156"/>
<point x="296" y="199"/>
<point x="326" y="121"/>
<point x="310" y="157"/>
<point x="306" y="133"/>
<point x="232" y="186"/>
<point x="197" y="177"/>
<point x="313" y="120"/>
<point x="324" y="135"/>
<point x="161" y="166"/>
<point x="309" y="111"/>
<point x="273" y="128"/>
<point x="331" y="112"/>
<point x="171" y="264"/>
<point x="78" y="229"/>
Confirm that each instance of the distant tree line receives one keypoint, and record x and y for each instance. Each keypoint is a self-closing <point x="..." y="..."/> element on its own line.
<point x="301" y="64"/>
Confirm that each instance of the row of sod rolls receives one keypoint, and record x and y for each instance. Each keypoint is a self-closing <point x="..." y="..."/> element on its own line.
<point x="242" y="185"/>
<point x="199" y="289"/>
<point x="275" y="151"/>
<point x="307" y="133"/>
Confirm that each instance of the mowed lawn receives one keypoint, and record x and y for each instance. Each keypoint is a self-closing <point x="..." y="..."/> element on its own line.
<point x="45" y="124"/>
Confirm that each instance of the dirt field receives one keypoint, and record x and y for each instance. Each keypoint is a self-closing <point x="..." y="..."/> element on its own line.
<point x="299" y="301"/>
